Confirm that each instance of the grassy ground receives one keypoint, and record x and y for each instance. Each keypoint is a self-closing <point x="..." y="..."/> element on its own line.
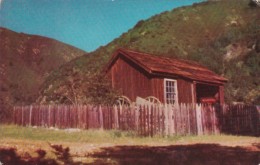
<point x="84" y="143"/>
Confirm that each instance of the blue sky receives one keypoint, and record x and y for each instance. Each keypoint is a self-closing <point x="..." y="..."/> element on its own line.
<point x="86" y="24"/>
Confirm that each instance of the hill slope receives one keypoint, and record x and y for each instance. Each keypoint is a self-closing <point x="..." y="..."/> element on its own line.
<point x="222" y="35"/>
<point x="26" y="60"/>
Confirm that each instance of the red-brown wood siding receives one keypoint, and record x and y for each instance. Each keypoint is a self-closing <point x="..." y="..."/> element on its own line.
<point x="184" y="91"/>
<point x="221" y="94"/>
<point x="158" y="88"/>
<point x="129" y="79"/>
<point x="194" y="95"/>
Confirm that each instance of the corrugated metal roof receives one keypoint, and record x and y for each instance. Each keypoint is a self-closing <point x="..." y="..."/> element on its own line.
<point x="169" y="66"/>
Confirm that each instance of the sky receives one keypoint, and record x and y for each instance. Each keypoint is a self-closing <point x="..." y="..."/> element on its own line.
<point x="86" y="24"/>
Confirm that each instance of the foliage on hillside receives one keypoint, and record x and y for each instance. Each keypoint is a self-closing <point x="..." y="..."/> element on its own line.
<point x="26" y="61"/>
<point x="222" y="35"/>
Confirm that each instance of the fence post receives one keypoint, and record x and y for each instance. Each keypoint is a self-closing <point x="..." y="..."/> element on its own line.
<point x="22" y="114"/>
<point x="198" y="119"/>
<point x="116" y="125"/>
<point x="215" y="122"/>
<point x="149" y="120"/>
<point x="136" y="109"/>
<point x="165" y="119"/>
<point x="30" y="118"/>
<point x="258" y="120"/>
<point x="170" y="117"/>
<point x="188" y="116"/>
<point x="14" y="114"/>
<point x="49" y="115"/>
<point x="177" y="118"/>
<point x="101" y="118"/>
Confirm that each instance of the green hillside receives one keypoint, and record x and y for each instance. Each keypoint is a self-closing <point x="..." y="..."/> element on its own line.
<point x="26" y="60"/>
<point x="222" y="35"/>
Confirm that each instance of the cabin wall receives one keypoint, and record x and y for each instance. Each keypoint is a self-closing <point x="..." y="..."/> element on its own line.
<point x="184" y="91"/>
<point x="157" y="85"/>
<point x="130" y="79"/>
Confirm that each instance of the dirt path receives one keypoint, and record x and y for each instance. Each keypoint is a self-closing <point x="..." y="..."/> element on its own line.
<point x="212" y="154"/>
<point x="84" y="148"/>
<point x="181" y="152"/>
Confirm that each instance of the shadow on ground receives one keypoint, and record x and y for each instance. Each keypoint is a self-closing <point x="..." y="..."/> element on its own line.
<point x="196" y="154"/>
<point x="212" y="154"/>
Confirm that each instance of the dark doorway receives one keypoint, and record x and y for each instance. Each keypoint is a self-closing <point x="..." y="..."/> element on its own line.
<point x="207" y="93"/>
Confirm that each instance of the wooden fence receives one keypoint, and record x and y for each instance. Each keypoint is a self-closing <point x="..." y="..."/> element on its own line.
<point x="146" y="120"/>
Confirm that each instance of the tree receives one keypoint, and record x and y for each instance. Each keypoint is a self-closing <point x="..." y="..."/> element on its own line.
<point x="254" y="3"/>
<point x="257" y="45"/>
<point x="81" y="88"/>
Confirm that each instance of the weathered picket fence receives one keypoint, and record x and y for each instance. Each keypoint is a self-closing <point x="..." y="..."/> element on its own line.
<point x="146" y="120"/>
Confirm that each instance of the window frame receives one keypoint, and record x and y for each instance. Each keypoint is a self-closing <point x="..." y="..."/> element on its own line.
<point x="175" y="91"/>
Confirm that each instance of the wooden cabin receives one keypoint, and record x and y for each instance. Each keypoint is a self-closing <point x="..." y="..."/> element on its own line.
<point x="170" y="80"/>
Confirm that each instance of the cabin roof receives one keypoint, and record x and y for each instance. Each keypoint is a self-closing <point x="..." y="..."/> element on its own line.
<point x="164" y="66"/>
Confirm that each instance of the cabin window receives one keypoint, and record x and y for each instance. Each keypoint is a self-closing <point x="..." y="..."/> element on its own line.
<point x="170" y="91"/>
